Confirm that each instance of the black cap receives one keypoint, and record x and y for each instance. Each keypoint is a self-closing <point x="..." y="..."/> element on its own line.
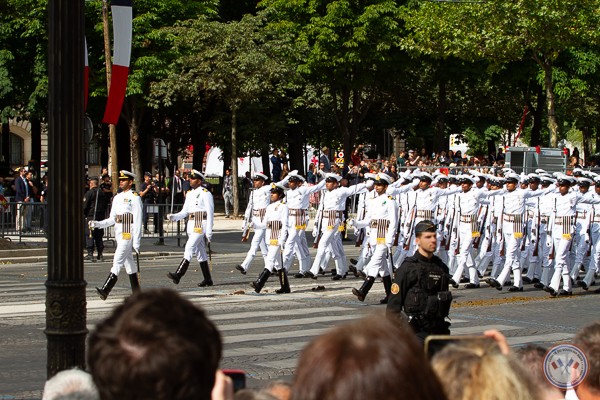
<point x="425" y="226"/>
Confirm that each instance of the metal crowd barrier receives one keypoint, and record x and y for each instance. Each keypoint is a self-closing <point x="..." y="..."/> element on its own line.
<point x="25" y="220"/>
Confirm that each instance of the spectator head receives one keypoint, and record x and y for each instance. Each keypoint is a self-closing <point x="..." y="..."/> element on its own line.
<point x="156" y="345"/>
<point x="280" y="390"/>
<point x="70" y="384"/>
<point x="588" y="340"/>
<point x="477" y="369"/>
<point x="228" y="171"/>
<point x="367" y="359"/>
<point x="532" y="358"/>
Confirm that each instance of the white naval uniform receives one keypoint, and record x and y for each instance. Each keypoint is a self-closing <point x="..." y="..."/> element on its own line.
<point x="513" y="204"/>
<point x="546" y="206"/>
<point x="407" y="195"/>
<point x="592" y="268"/>
<point x="484" y="256"/>
<point x="581" y="240"/>
<point x="297" y="201"/>
<point x="467" y="212"/>
<point x="365" y="249"/>
<point x="200" y="208"/>
<point x="126" y="216"/>
<point x="381" y="219"/>
<point x="563" y="224"/>
<point x="274" y="224"/>
<point x="334" y="203"/>
<point x="255" y="213"/>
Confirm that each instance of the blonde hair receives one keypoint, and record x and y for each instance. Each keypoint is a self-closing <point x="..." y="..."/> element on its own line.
<point x="477" y="370"/>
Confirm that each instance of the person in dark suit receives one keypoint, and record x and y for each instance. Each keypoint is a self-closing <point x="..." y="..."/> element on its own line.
<point x="22" y="196"/>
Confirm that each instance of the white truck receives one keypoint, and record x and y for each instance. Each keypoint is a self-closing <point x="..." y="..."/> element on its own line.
<point x="528" y="159"/>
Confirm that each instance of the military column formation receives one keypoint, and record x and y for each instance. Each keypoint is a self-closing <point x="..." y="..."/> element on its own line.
<point x="501" y="228"/>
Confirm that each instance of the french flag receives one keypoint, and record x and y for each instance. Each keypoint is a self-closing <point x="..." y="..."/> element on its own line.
<point x="122" y="32"/>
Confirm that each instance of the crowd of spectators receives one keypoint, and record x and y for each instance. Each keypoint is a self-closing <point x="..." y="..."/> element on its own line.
<point x="159" y="345"/>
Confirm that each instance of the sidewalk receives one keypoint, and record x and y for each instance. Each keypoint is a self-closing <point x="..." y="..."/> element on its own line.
<point x="36" y="248"/>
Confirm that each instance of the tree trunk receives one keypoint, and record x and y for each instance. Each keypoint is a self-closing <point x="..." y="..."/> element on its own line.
<point x="538" y="116"/>
<point x="112" y="129"/>
<point x="36" y="146"/>
<point x="134" y="140"/>
<point x="440" y="123"/>
<point x="6" y="142"/>
<point x="234" y="165"/>
<point x="550" y="104"/>
<point x="587" y="143"/>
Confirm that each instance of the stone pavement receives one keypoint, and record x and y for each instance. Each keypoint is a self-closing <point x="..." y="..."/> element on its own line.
<point x="264" y="333"/>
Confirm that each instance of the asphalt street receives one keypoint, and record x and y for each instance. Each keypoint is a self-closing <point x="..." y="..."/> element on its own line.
<point x="263" y="334"/>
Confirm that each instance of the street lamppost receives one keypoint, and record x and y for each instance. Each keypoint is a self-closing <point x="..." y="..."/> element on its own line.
<point x="65" y="288"/>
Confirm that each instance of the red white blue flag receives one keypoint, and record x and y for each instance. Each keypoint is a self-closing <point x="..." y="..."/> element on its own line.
<point x="122" y="32"/>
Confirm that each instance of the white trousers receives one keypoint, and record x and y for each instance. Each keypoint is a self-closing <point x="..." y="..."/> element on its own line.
<point x="124" y="257"/>
<point x="258" y="242"/>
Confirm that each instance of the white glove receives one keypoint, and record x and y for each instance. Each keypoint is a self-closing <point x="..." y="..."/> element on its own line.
<point x="208" y="239"/>
<point x="170" y="217"/>
<point x="315" y="233"/>
<point x="136" y="249"/>
<point x="369" y="184"/>
<point x="92" y="224"/>
<point x="351" y="222"/>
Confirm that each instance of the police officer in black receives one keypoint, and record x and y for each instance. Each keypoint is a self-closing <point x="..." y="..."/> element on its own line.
<point x="95" y="203"/>
<point x="420" y="290"/>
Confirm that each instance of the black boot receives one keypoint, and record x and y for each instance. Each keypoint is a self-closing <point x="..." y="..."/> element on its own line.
<point x="134" y="280"/>
<point x="206" y="273"/>
<point x="387" y="285"/>
<point x="262" y="279"/>
<point x="283" y="280"/>
<point x="364" y="289"/>
<point x="90" y="256"/>
<point x="100" y="257"/>
<point x="107" y="287"/>
<point x="181" y="270"/>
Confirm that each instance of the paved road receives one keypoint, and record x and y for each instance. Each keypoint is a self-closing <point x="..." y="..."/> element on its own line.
<point x="262" y="334"/>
